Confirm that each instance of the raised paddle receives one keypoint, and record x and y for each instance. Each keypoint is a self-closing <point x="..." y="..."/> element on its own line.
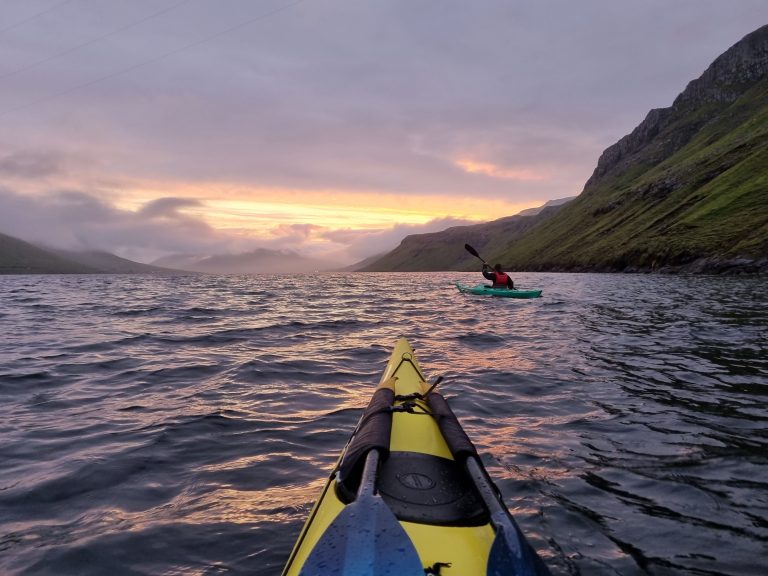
<point x="474" y="253"/>
<point x="365" y="539"/>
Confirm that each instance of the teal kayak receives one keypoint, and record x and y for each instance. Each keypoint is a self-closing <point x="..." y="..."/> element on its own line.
<point x="485" y="290"/>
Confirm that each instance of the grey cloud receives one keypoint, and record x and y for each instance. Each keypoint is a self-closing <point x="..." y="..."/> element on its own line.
<point x="348" y="245"/>
<point x="166" y="207"/>
<point x="81" y="221"/>
<point x="362" y="244"/>
<point x="332" y="95"/>
<point x="30" y="164"/>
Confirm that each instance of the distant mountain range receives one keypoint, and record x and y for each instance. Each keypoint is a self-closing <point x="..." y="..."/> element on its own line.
<point x="261" y="260"/>
<point x="20" y="257"/>
<point x="687" y="190"/>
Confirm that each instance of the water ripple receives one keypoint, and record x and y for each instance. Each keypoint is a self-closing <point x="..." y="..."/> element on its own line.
<point x="169" y="425"/>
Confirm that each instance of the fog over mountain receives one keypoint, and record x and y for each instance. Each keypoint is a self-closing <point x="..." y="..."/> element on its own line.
<point x="256" y="262"/>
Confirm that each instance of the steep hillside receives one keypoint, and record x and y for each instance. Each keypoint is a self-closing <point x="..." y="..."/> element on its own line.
<point x="19" y="257"/>
<point x="445" y="250"/>
<point x="687" y="188"/>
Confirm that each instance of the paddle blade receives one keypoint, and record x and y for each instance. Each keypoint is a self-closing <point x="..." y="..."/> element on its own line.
<point x="365" y="539"/>
<point x="474" y="253"/>
<point x="471" y="250"/>
<point x="511" y="554"/>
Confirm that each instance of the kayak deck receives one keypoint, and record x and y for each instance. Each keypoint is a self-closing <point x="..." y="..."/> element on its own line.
<point x="485" y="290"/>
<point x="422" y="481"/>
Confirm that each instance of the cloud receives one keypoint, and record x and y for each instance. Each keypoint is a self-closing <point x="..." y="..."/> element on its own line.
<point x="383" y="97"/>
<point x="30" y="164"/>
<point x="296" y="232"/>
<point x="488" y="169"/>
<point x="78" y="220"/>
<point x="362" y="244"/>
<point x="305" y="239"/>
<point x="166" y="207"/>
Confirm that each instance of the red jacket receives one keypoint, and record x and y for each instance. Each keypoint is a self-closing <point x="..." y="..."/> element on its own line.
<point x="501" y="280"/>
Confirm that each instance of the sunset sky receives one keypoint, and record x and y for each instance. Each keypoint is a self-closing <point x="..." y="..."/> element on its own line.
<point x="334" y="128"/>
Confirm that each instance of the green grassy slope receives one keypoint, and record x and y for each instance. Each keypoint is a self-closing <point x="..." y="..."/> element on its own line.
<point x="444" y="250"/>
<point x="686" y="190"/>
<point x="697" y="189"/>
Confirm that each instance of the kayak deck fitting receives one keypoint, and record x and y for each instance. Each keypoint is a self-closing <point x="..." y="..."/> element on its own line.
<point x="486" y="290"/>
<point x="409" y="495"/>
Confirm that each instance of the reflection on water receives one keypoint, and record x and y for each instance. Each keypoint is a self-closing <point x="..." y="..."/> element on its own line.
<point x="186" y="425"/>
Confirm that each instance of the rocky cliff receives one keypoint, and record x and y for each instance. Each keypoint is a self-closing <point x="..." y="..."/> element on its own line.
<point x="685" y="190"/>
<point x="725" y="81"/>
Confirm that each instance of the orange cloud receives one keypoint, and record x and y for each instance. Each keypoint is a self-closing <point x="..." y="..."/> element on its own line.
<point x="264" y="211"/>
<point x="488" y="169"/>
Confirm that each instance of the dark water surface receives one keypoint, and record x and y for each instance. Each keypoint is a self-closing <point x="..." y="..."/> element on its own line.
<point x="155" y="425"/>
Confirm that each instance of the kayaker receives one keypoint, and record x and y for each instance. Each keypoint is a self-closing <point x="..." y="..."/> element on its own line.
<point x="498" y="276"/>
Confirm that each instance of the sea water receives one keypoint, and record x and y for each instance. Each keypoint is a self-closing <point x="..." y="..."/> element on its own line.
<point x="186" y="424"/>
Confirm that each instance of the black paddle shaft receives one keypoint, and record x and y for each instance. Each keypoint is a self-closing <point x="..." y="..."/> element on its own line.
<point x="472" y="251"/>
<point x="370" y="471"/>
<point x="510" y="553"/>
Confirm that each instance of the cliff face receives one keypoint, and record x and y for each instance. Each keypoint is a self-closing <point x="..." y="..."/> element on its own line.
<point x="731" y="73"/>
<point x="724" y="82"/>
<point x="726" y="79"/>
<point x="619" y="155"/>
<point x="686" y="189"/>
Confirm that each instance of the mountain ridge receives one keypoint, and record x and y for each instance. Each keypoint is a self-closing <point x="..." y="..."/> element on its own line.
<point x="444" y="250"/>
<point x="260" y="260"/>
<point x="18" y="256"/>
<point x="685" y="191"/>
